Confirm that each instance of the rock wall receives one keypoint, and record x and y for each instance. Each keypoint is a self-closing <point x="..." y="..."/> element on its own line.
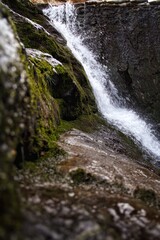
<point x="41" y="85"/>
<point x="13" y="116"/>
<point x="126" y="38"/>
<point x="57" y="85"/>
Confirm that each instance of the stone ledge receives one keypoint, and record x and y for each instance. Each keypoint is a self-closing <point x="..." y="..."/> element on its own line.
<point x="104" y="2"/>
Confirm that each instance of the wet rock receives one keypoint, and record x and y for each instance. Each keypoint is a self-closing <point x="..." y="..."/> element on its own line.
<point x="97" y="163"/>
<point x="98" y="209"/>
<point x="13" y="91"/>
<point x="126" y="40"/>
<point x="13" y="117"/>
<point x="29" y="113"/>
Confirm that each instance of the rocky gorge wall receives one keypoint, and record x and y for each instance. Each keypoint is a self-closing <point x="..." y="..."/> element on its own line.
<point x="42" y="85"/>
<point x="125" y="37"/>
<point x="76" y="195"/>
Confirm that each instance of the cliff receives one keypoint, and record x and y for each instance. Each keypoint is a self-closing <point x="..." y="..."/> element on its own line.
<point x="127" y="42"/>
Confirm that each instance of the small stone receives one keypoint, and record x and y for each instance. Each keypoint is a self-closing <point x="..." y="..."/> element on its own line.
<point x="72" y="194"/>
<point x="142" y="212"/>
<point x="113" y="214"/>
<point x="125" y="208"/>
<point x="68" y="222"/>
<point x="34" y="199"/>
<point x="48" y="209"/>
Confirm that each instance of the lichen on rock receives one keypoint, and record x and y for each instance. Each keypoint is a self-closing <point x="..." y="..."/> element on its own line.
<point x="12" y="77"/>
<point x="13" y="109"/>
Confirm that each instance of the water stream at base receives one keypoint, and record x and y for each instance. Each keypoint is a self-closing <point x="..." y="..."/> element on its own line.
<point x="63" y="18"/>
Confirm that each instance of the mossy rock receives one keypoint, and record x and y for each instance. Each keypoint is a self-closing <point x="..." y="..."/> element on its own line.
<point x="70" y="79"/>
<point x="69" y="82"/>
<point x="29" y="111"/>
<point x="80" y="176"/>
<point x="13" y="116"/>
<point x="146" y="195"/>
<point x="69" y="86"/>
<point x="21" y="5"/>
<point x="40" y="136"/>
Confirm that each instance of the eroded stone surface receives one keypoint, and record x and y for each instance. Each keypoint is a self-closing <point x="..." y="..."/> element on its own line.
<point x="89" y="193"/>
<point x="92" y="153"/>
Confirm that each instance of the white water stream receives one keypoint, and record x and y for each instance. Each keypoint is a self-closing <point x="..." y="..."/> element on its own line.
<point x="63" y="18"/>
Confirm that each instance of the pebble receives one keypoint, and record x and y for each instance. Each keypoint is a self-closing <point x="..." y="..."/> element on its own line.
<point x="72" y="194"/>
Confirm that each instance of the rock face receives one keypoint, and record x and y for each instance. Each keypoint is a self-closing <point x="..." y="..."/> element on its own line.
<point x="90" y="193"/>
<point x="13" y="115"/>
<point x="112" y="2"/>
<point x="55" y="89"/>
<point x="41" y="85"/>
<point x="126" y="38"/>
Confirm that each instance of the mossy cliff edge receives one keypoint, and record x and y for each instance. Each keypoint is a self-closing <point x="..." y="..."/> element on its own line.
<point x="42" y="85"/>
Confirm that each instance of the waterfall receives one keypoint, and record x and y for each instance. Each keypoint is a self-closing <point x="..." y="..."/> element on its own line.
<point x="63" y="18"/>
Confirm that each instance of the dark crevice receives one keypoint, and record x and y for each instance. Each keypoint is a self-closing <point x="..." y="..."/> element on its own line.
<point x="127" y="78"/>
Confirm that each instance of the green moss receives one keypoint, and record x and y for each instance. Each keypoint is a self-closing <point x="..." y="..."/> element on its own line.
<point x="71" y="69"/>
<point x="85" y="123"/>
<point x="79" y="176"/>
<point x="72" y="86"/>
<point x="37" y="38"/>
<point x="146" y="195"/>
<point x="64" y="126"/>
<point x="75" y="100"/>
<point x="45" y="110"/>
<point x="89" y="122"/>
<point x="47" y="125"/>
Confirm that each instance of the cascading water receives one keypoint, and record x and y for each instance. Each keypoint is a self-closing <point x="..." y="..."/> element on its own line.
<point x="63" y="18"/>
